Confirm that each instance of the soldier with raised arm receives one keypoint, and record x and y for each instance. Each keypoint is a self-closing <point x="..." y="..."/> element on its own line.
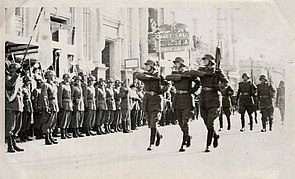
<point x="152" y="100"/>
<point x="184" y="98"/>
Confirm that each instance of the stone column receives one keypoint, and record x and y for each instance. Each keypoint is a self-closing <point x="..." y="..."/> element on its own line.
<point x="143" y="33"/>
<point x="10" y="20"/>
<point x="134" y="34"/>
<point x="79" y="39"/>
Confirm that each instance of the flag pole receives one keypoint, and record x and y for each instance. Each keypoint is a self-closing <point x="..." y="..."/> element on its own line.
<point x="32" y="34"/>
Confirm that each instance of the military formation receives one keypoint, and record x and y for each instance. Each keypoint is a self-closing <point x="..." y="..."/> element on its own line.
<point x="83" y="105"/>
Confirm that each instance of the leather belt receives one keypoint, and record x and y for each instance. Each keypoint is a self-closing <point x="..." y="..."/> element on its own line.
<point x="151" y="93"/>
<point x="245" y="94"/>
<point x="182" y="92"/>
<point x="207" y="89"/>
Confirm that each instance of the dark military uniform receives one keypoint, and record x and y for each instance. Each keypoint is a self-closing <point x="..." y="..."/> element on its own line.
<point x="118" y="116"/>
<point x="78" y="109"/>
<point x="100" y="97"/>
<point x="245" y="96"/>
<point x="123" y="94"/>
<point x="265" y="96"/>
<point x="280" y="101"/>
<point x="183" y="103"/>
<point x="152" y="102"/>
<point x="226" y="92"/>
<point x="27" y="113"/>
<point x="37" y="107"/>
<point x="210" y="102"/>
<point x="13" y="109"/>
<point x="66" y="107"/>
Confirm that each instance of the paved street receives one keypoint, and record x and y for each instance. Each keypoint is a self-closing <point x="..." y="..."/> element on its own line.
<point x="239" y="155"/>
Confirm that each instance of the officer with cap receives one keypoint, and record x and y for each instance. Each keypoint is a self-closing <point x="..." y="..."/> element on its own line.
<point x="90" y="106"/>
<point x="37" y="107"/>
<point x="65" y="104"/>
<point x="78" y="107"/>
<point x="28" y="110"/>
<point x="13" y="106"/>
<point x="245" y="98"/>
<point x="101" y="106"/>
<point x="265" y="97"/>
<point x="184" y="99"/>
<point x="50" y="107"/>
<point x="210" y="98"/>
<point x="111" y="105"/>
<point x="280" y="101"/>
<point x="153" y="99"/>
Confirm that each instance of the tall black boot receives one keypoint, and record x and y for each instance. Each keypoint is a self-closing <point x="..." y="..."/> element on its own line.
<point x="228" y="123"/>
<point x="125" y="127"/>
<point x="67" y="134"/>
<point x="184" y="140"/>
<point x="152" y="138"/>
<point x="98" y="130"/>
<point x="159" y="137"/>
<point x="78" y="133"/>
<point x="9" y="144"/>
<point x="106" y="129"/>
<point x="119" y="128"/>
<point x="87" y="131"/>
<point x="27" y="133"/>
<point x="47" y="139"/>
<point x="16" y="148"/>
<point x="215" y="141"/>
<point x="109" y="128"/>
<point x="22" y="136"/>
<point x="75" y="134"/>
<point x="63" y="133"/>
<point x="53" y="140"/>
<point x="270" y="125"/>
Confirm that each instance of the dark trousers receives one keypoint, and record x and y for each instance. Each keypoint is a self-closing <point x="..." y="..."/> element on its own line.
<point x="183" y="116"/>
<point x="48" y="121"/>
<point x="267" y="115"/>
<point x="242" y="111"/>
<point x="100" y="117"/>
<point x="209" y="115"/>
<point x="89" y="118"/>
<point x="65" y="117"/>
<point x="226" y="111"/>
<point x="12" y="122"/>
<point x="26" y="121"/>
<point x="153" y="118"/>
<point x="77" y="119"/>
<point x="109" y="118"/>
<point x="117" y="117"/>
<point x="134" y="118"/>
<point x="37" y="120"/>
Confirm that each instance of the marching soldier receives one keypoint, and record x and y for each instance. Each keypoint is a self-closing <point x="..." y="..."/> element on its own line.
<point x="117" y="124"/>
<point x="226" y="92"/>
<point x="280" y="102"/>
<point x="78" y="107"/>
<point x="65" y="105"/>
<point x="90" y="106"/>
<point x="111" y="105"/>
<point x="210" y="98"/>
<point x="13" y="106"/>
<point x="184" y="98"/>
<point x="152" y="100"/>
<point x="28" y="110"/>
<point x="245" y="99"/>
<point x="37" y="108"/>
<point x="265" y="96"/>
<point x="101" y="105"/>
<point x="50" y="107"/>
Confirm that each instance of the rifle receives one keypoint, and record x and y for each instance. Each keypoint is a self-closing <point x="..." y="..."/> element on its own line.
<point x="217" y="59"/>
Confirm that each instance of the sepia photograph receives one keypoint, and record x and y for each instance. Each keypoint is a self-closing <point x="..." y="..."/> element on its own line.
<point x="144" y="90"/>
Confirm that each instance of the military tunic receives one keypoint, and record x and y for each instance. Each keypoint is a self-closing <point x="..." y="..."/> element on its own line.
<point x="118" y="114"/>
<point x="245" y="98"/>
<point x="37" y="107"/>
<point x="153" y="98"/>
<point x="111" y="105"/>
<point x="28" y="109"/>
<point x="78" y="106"/>
<point x="101" y="104"/>
<point x="49" y="106"/>
<point x="210" y="100"/>
<point x="13" y="104"/>
<point x="65" y="103"/>
<point x="226" y="92"/>
<point x="90" y="107"/>
<point x="265" y="97"/>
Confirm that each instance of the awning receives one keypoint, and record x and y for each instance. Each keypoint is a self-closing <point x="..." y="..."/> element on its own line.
<point x="17" y="48"/>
